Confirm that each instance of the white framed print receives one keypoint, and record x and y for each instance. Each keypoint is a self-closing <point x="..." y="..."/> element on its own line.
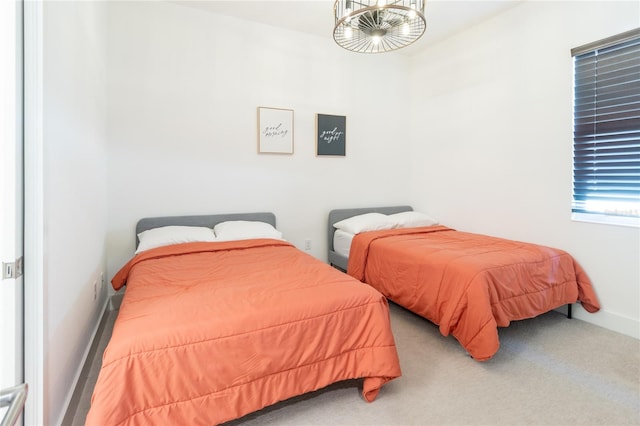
<point x="275" y="130"/>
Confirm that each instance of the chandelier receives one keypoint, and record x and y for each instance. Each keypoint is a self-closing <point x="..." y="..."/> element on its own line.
<point x="376" y="26"/>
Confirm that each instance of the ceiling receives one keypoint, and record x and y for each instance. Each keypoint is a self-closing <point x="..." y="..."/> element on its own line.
<point x="444" y="17"/>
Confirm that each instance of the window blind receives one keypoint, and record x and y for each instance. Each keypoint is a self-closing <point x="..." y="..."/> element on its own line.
<point x="606" y="131"/>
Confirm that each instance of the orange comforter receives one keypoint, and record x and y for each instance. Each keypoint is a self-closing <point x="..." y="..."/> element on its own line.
<point x="208" y="332"/>
<point x="468" y="284"/>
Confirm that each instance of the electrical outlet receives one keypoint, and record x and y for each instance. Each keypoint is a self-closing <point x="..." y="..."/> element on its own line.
<point x="307" y="244"/>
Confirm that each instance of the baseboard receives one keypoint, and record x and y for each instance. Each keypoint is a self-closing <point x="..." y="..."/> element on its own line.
<point x="609" y="320"/>
<point x="75" y="393"/>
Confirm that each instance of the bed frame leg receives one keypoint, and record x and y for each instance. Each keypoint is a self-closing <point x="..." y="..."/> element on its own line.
<point x="569" y="311"/>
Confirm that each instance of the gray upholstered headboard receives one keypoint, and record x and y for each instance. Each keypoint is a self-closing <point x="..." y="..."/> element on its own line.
<point x="200" y="220"/>
<point x="339" y="214"/>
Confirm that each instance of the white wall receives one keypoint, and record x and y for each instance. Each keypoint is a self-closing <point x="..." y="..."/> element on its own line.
<point x="184" y="87"/>
<point x="75" y="207"/>
<point x="491" y="147"/>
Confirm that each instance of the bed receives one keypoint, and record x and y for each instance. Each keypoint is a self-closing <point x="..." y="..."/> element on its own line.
<point x="467" y="284"/>
<point x="213" y="328"/>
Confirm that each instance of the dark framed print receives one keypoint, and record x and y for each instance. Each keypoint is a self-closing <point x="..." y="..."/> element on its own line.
<point x="331" y="134"/>
<point x="275" y="130"/>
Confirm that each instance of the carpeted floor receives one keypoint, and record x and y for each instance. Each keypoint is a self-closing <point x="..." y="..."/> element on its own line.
<point x="549" y="371"/>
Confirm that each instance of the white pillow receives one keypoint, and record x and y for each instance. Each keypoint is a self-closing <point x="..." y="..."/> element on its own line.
<point x="412" y="219"/>
<point x="365" y="222"/>
<point x="245" y="230"/>
<point x="167" y="235"/>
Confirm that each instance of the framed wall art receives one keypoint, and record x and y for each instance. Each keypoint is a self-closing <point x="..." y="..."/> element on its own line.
<point x="331" y="134"/>
<point x="275" y="130"/>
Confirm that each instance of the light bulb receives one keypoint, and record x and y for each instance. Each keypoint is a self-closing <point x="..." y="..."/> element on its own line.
<point x="348" y="32"/>
<point x="348" y="10"/>
<point x="405" y="29"/>
<point x="375" y="39"/>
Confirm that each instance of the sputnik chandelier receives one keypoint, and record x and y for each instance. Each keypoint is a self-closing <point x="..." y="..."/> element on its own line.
<point x="376" y="26"/>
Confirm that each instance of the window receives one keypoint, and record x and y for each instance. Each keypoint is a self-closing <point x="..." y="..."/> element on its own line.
<point x="606" y="130"/>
